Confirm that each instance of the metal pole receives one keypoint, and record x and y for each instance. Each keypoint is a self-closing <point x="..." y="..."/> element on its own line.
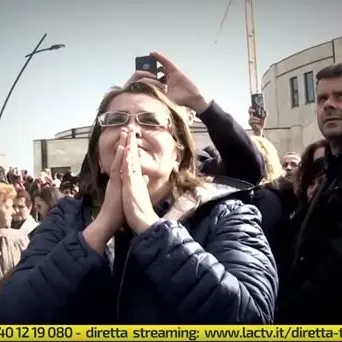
<point x="248" y="47"/>
<point x="254" y="48"/>
<point x="19" y="75"/>
<point x="251" y="49"/>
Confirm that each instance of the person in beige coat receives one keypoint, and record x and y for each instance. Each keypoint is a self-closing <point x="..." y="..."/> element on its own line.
<point x="12" y="241"/>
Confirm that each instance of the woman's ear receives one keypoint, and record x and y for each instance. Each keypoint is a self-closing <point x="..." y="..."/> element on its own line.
<point x="180" y="153"/>
<point x="100" y="167"/>
<point x="176" y="167"/>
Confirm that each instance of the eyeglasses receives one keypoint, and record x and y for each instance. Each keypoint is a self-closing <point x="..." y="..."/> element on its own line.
<point x="145" y="119"/>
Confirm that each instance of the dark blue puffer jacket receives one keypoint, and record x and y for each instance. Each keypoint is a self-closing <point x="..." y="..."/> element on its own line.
<point x="211" y="266"/>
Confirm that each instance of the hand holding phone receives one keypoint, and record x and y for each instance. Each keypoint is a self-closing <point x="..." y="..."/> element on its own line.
<point x="149" y="63"/>
<point x="177" y="85"/>
<point x="257" y="119"/>
<point x="258" y="105"/>
<point x="146" y="63"/>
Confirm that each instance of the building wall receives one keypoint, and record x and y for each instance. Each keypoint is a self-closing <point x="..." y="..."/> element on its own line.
<point x="60" y="153"/>
<point x="299" y="122"/>
<point x="37" y="157"/>
<point x="279" y="138"/>
<point x="69" y="152"/>
<point x="338" y="49"/>
<point x="202" y="140"/>
<point x="311" y="133"/>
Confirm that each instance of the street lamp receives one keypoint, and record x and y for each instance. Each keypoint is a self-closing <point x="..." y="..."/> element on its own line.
<point x="29" y="57"/>
<point x="52" y="47"/>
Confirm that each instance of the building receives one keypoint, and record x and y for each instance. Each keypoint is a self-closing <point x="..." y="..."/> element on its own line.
<point x="66" y="151"/>
<point x="289" y="92"/>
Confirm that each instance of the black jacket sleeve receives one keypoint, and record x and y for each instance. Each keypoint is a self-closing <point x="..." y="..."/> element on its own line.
<point x="270" y="207"/>
<point x="240" y="157"/>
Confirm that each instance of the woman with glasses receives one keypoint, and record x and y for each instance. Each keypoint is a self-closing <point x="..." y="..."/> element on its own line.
<point x="149" y="241"/>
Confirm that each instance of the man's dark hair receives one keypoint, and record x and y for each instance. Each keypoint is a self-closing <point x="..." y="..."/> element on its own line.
<point x="331" y="71"/>
<point x="26" y="195"/>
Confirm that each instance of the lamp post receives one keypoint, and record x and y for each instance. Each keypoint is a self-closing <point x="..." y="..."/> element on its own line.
<point x="29" y="57"/>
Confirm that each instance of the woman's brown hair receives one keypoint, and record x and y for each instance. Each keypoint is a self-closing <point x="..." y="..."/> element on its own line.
<point x="50" y="195"/>
<point x="93" y="182"/>
<point x="307" y="170"/>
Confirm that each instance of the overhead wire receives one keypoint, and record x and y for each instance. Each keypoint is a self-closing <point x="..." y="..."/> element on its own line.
<point x="223" y="21"/>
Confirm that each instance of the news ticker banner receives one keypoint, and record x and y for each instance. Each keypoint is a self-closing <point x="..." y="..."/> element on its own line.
<point x="170" y="333"/>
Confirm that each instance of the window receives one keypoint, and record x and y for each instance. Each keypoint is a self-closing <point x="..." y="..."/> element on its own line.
<point x="294" y="92"/>
<point x="62" y="169"/>
<point x="309" y="87"/>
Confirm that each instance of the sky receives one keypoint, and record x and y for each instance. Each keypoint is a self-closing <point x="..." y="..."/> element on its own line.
<point x="62" y="89"/>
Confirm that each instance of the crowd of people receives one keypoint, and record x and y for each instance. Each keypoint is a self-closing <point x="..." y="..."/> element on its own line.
<point x="153" y="231"/>
<point x="25" y="202"/>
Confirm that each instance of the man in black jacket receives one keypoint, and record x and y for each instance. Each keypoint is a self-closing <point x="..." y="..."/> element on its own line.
<point x="312" y="294"/>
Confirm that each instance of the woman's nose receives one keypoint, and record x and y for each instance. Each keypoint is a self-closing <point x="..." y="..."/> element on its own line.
<point x="135" y="127"/>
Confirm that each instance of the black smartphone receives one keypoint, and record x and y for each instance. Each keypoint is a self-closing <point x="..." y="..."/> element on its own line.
<point x="258" y="105"/>
<point x="146" y="63"/>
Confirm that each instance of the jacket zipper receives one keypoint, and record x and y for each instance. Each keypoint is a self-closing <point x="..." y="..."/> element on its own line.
<point x="121" y="284"/>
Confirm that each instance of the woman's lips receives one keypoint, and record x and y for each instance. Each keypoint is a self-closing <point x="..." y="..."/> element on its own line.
<point x="142" y="148"/>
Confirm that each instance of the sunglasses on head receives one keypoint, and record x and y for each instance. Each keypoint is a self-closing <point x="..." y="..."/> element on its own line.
<point x="145" y="119"/>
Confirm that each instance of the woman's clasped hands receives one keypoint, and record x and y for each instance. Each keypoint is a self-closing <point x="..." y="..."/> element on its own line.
<point x="127" y="199"/>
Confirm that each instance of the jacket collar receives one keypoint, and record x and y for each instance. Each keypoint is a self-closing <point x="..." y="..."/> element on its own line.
<point x="188" y="203"/>
<point x="29" y="225"/>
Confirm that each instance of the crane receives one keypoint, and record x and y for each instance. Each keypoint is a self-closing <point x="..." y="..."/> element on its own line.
<point x="251" y="45"/>
<point x="251" y="48"/>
